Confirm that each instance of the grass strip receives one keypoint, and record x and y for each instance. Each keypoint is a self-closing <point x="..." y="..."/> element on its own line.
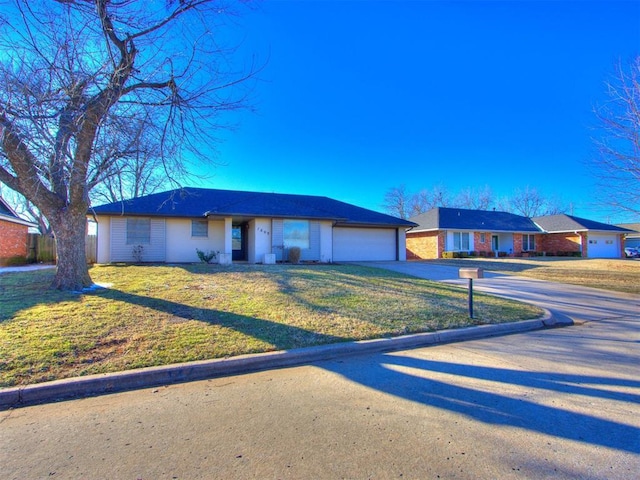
<point x="163" y="314"/>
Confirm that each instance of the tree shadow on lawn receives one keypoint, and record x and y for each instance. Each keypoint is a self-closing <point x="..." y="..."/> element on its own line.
<point x="279" y="335"/>
<point x="488" y="405"/>
<point x="24" y="290"/>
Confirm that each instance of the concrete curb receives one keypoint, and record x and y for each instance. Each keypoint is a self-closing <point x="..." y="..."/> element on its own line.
<point x="100" y="384"/>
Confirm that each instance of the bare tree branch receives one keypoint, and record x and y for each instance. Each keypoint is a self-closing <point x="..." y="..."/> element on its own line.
<point x="616" y="166"/>
<point x="105" y="99"/>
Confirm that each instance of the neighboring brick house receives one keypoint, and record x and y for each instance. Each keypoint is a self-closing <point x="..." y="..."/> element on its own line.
<point x="490" y="233"/>
<point x="13" y="233"/>
<point x="480" y="232"/>
<point x="573" y="234"/>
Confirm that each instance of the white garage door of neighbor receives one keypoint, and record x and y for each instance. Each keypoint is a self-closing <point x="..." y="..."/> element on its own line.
<point x="363" y="244"/>
<point x="603" y="246"/>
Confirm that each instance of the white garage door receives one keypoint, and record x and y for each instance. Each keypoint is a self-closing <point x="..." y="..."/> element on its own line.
<point x="603" y="246"/>
<point x="363" y="244"/>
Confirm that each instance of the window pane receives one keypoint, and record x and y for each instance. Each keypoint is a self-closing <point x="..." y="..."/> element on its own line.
<point x="456" y="240"/>
<point x="138" y="231"/>
<point x="528" y="242"/>
<point x="465" y="241"/>
<point x="199" y="228"/>
<point x="236" y="237"/>
<point x="296" y="233"/>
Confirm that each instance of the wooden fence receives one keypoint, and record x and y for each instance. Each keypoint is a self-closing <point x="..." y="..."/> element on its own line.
<point x="42" y="248"/>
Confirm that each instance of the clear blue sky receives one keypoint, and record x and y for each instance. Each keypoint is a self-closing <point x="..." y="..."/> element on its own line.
<point x="359" y="97"/>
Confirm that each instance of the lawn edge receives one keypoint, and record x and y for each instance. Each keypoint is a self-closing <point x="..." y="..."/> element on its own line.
<point x="107" y="383"/>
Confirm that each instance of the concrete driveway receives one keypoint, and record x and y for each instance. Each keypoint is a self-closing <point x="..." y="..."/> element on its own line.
<point x="558" y="403"/>
<point x="578" y="303"/>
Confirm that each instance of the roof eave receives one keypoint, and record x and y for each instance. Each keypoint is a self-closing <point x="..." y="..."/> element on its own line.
<point x="18" y="220"/>
<point x="347" y="223"/>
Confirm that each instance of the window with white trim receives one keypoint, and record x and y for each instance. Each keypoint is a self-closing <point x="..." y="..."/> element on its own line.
<point x="461" y="241"/>
<point x="138" y="231"/>
<point x="528" y="243"/>
<point x="199" y="228"/>
<point x="296" y="233"/>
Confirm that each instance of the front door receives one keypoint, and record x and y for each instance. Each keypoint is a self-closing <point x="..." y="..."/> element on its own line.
<point x="494" y="243"/>
<point x="239" y="242"/>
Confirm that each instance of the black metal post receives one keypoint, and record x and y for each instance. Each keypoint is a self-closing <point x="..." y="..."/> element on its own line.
<point x="471" y="298"/>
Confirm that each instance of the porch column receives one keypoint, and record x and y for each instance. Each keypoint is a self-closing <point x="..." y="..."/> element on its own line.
<point x="401" y="245"/>
<point x="227" y="256"/>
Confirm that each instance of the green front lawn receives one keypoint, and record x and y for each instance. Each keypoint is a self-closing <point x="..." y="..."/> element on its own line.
<point x="158" y="315"/>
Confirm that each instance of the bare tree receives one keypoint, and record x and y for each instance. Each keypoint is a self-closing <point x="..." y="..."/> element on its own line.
<point x="617" y="165"/>
<point x="396" y="201"/>
<point x="86" y="85"/>
<point x="419" y="203"/>
<point x="142" y="174"/>
<point x="426" y="199"/>
<point x="403" y="204"/>
<point x="529" y="202"/>
<point x="476" y="199"/>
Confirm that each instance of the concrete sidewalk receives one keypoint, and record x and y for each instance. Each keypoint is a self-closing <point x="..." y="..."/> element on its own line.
<point x="25" y="268"/>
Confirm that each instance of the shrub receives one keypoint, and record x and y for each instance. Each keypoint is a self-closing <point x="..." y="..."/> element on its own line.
<point x="455" y="254"/>
<point x="206" y="257"/>
<point x="294" y="254"/>
<point x="137" y="253"/>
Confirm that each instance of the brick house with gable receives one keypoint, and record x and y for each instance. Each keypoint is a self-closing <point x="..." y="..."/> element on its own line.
<point x="444" y="232"/>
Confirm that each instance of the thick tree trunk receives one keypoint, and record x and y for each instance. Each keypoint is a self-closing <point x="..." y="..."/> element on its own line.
<point x="72" y="270"/>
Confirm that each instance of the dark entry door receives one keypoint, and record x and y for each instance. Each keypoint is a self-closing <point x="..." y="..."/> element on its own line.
<point x="239" y="242"/>
<point x="495" y="245"/>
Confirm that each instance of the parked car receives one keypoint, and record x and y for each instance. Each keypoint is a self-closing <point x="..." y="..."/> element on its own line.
<point x="631" y="252"/>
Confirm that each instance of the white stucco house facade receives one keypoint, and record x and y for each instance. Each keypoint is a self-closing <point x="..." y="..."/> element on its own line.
<point x="253" y="227"/>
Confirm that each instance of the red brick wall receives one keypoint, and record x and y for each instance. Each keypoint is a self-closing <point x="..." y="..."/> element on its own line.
<point x="553" y="243"/>
<point x="424" y="245"/>
<point x="478" y="246"/>
<point x="518" y="242"/>
<point x="13" y="239"/>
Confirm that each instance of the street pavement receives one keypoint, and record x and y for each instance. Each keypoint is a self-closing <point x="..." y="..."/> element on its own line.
<point x="553" y="403"/>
